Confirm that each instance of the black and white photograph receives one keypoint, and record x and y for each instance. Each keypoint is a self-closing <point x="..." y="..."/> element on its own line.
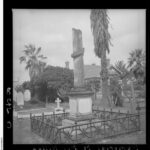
<point x="79" y="76"/>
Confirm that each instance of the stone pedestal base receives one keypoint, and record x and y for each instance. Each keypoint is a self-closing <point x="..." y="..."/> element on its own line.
<point x="80" y="102"/>
<point x="80" y="117"/>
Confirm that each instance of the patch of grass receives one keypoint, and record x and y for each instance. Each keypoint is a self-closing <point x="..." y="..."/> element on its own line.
<point x="30" y="105"/>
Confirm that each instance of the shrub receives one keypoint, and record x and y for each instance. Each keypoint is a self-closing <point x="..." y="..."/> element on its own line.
<point x="34" y="100"/>
<point x="48" y="83"/>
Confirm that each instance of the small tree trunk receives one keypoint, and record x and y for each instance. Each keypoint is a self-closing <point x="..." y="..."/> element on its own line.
<point x="95" y="97"/>
<point x="94" y="90"/>
<point x="132" y="89"/>
<point x="104" y="77"/>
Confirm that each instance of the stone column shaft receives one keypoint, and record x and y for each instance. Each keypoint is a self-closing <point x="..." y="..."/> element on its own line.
<point x="77" y="56"/>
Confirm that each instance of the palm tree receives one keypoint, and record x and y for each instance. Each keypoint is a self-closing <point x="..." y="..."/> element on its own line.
<point x="99" y="25"/>
<point x="136" y="63"/>
<point x="122" y="74"/>
<point x="125" y="75"/>
<point x="33" y="60"/>
<point x="121" y="71"/>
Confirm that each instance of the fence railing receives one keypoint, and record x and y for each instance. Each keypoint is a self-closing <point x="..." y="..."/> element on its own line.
<point x="81" y="133"/>
<point x="108" y="113"/>
<point x="141" y="105"/>
<point x="104" y="124"/>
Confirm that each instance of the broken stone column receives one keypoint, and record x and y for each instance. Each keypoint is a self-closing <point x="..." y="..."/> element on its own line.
<point x="80" y="100"/>
<point x="77" y="56"/>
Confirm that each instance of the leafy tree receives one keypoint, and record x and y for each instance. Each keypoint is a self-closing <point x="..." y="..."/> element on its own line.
<point x="53" y="82"/>
<point x="26" y="85"/>
<point x="33" y="60"/>
<point x="19" y="88"/>
<point x="99" y="25"/>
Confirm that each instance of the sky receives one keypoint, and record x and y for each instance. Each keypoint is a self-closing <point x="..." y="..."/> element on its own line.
<point x="51" y="29"/>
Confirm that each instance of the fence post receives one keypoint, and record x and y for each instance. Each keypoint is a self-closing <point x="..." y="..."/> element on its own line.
<point x="76" y="129"/>
<point x="104" y="129"/>
<point x="64" y="113"/>
<point x="54" y="116"/>
<point x="119" y="121"/>
<point x="59" y="136"/>
<point x="104" y="114"/>
<point x="31" y="121"/>
<point x="119" y="112"/>
<point x="111" y="113"/>
<point x="53" y="133"/>
<point x="111" y="119"/>
<point x="90" y="128"/>
<point x="138" y="111"/>
<point x="104" y="123"/>
<point x="43" y="117"/>
<point x="128" y="119"/>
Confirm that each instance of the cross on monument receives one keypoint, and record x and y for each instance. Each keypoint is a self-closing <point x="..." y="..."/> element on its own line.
<point x="58" y="102"/>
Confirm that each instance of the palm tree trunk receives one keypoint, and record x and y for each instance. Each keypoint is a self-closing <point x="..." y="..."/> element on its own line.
<point x="30" y="73"/>
<point x="104" y="77"/>
<point x="95" y="97"/>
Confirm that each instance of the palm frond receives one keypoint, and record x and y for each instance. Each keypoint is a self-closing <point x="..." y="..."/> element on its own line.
<point x="26" y="46"/>
<point x="29" y="64"/>
<point x="22" y="59"/>
<point x="33" y="62"/>
<point x="27" y="52"/>
<point x="120" y="65"/>
<point x="135" y="56"/>
<point x="38" y="51"/>
<point x="116" y="69"/>
<point x="99" y="25"/>
<point x="30" y="48"/>
<point x="136" y="62"/>
<point x="42" y="57"/>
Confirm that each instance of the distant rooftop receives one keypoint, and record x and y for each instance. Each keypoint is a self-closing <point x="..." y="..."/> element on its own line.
<point x="91" y="71"/>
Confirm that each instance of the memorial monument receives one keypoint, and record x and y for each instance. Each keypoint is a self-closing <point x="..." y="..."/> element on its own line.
<point x="80" y="99"/>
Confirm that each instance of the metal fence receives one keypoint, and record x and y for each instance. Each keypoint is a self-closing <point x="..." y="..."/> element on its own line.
<point x="105" y="124"/>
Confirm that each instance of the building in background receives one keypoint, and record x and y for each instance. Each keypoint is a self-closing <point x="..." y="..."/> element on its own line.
<point x="67" y="64"/>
